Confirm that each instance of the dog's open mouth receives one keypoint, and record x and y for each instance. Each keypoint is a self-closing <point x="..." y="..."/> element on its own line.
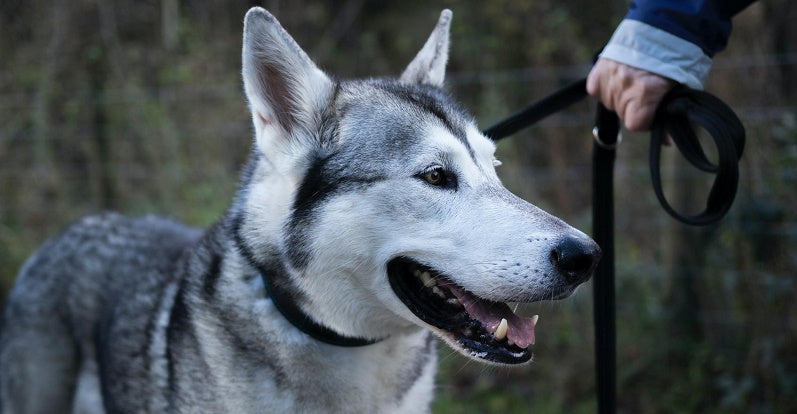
<point x="485" y="329"/>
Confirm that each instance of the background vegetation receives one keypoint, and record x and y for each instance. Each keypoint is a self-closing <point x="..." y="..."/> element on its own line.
<point x="138" y="106"/>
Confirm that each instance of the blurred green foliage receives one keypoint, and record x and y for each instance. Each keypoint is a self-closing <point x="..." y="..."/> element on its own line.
<point x="130" y="106"/>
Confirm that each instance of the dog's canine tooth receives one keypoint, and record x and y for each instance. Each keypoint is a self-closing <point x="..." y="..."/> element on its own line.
<point x="439" y="292"/>
<point x="534" y="319"/>
<point x="500" y="331"/>
<point x="427" y="280"/>
<point x="454" y="301"/>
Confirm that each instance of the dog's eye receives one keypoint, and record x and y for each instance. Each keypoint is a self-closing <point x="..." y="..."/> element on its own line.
<point x="435" y="177"/>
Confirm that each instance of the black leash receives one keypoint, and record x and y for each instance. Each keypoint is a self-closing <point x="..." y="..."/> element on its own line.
<point x="606" y="134"/>
<point x="678" y="111"/>
<point x="681" y="108"/>
<point x="533" y="113"/>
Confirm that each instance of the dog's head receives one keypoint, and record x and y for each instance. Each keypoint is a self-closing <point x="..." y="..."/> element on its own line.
<point x="381" y="201"/>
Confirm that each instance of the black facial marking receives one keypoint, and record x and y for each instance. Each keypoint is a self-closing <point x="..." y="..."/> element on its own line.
<point x="324" y="178"/>
<point x="314" y="189"/>
<point x="435" y="101"/>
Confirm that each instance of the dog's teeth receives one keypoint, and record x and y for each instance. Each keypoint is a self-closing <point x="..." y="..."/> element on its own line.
<point x="500" y="331"/>
<point x="417" y="272"/>
<point x="509" y="342"/>
<point x="439" y="292"/>
<point x="534" y="319"/>
<point x="427" y="280"/>
<point x="454" y="301"/>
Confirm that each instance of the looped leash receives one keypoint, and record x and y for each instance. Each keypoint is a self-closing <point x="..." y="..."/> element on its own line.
<point x="678" y="111"/>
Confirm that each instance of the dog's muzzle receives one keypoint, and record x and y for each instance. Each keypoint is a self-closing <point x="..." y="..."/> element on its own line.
<point x="483" y="328"/>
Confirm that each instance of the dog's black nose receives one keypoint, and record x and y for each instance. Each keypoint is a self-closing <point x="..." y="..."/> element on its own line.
<point x="575" y="258"/>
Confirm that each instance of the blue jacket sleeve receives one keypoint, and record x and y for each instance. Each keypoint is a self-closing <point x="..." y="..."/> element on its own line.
<point x="674" y="38"/>
<point x="705" y="23"/>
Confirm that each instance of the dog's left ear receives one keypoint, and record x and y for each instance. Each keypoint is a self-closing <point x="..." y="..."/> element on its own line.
<point x="285" y="89"/>
<point x="429" y="65"/>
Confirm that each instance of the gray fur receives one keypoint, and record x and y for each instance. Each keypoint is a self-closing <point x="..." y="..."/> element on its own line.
<point x="123" y="315"/>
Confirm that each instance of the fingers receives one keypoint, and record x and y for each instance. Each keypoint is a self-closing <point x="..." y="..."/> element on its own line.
<point x="598" y="82"/>
<point x="637" y="112"/>
<point x="633" y="93"/>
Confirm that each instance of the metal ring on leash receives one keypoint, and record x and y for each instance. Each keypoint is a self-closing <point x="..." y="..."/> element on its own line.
<point x="599" y="141"/>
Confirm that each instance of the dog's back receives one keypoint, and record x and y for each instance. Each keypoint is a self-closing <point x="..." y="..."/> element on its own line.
<point x="65" y="296"/>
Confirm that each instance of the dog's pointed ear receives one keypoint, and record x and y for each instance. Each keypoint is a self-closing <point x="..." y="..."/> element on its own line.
<point x="285" y="89"/>
<point x="429" y="65"/>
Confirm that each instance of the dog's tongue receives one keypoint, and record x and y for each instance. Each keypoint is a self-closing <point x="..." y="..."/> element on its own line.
<point x="520" y="330"/>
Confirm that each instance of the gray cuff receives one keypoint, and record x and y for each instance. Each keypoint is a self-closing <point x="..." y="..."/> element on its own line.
<point x="645" y="47"/>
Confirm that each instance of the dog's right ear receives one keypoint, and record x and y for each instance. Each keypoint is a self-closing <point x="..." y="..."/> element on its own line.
<point x="285" y="89"/>
<point x="429" y="65"/>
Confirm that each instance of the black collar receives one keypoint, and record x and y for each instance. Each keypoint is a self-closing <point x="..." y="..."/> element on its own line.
<point x="287" y="307"/>
<point x="304" y="322"/>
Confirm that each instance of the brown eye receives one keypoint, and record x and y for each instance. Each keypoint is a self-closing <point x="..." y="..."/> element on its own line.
<point x="435" y="177"/>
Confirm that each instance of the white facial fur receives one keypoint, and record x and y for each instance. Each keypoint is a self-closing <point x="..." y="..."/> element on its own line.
<point x="480" y="235"/>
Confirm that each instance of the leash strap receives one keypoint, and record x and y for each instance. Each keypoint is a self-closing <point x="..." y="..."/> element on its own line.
<point x="604" y="149"/>
<point x="531" y="114"/>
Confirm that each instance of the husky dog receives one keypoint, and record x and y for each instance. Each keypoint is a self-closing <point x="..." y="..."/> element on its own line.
<point x="369" y="220"/>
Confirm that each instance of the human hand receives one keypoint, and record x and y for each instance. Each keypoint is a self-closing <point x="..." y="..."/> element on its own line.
<point x="632" y="93"/>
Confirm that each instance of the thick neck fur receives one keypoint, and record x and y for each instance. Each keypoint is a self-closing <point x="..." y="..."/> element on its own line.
<point x="258" y="362"/>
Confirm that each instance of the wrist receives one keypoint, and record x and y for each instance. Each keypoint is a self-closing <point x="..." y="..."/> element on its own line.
<point x="642" y="46"/>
